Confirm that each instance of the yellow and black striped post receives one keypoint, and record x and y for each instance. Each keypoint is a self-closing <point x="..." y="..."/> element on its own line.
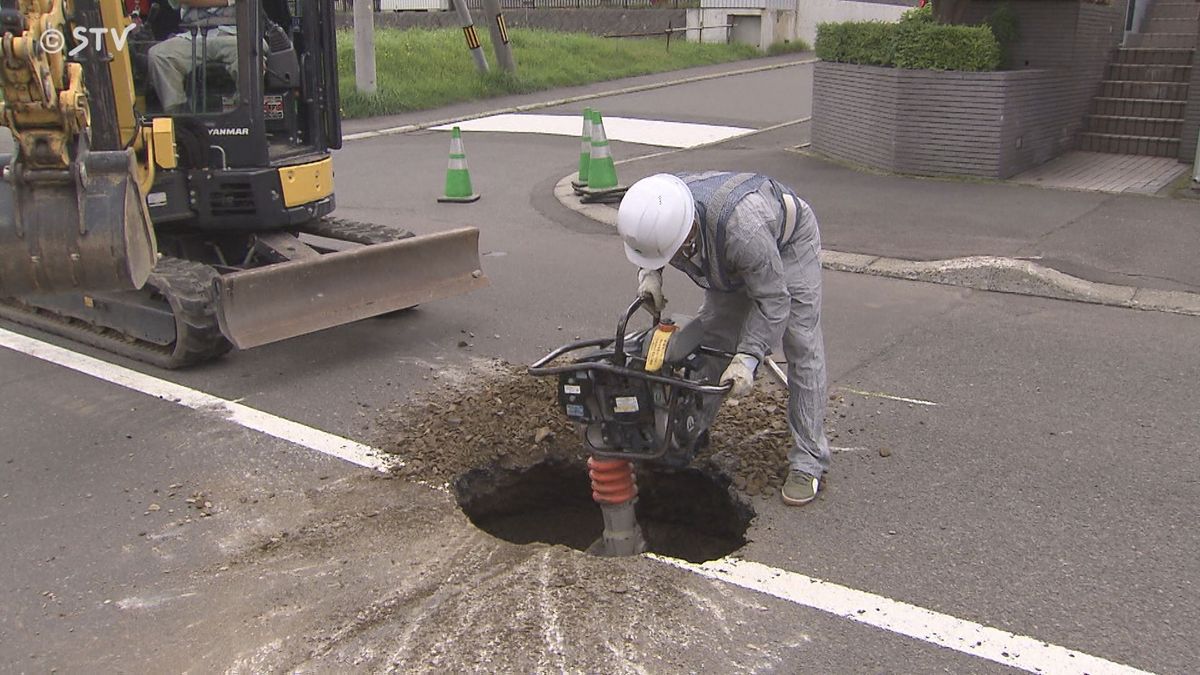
<point x="468" y="27"/>
<point x="499" y="32"/>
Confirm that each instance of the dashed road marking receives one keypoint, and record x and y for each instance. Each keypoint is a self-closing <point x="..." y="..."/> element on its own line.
<point x="968" y="637"/>
<point x="890" y="397"/>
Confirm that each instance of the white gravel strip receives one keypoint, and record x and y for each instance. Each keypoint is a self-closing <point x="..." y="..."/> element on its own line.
<point x="626" y="129"/>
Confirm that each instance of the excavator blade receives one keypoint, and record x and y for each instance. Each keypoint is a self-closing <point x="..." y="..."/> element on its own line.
<point x="267" y="304"/>
<point x="83" y="230"/>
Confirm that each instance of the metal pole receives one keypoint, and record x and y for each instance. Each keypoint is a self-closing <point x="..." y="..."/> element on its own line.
<point x="364" y="46"/>
<point x="777" y="372"/>
<point x="499" y="34"/>
<point x="1196" y="165"/>
<point x="468" y="27"/>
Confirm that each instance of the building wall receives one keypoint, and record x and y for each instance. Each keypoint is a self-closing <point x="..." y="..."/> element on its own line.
<point x="990" y="125"/>
<point x="1042" y="119"/>
<point x="799" y="21"/>
<point x="709" y="25"/>
<point x="856" y="112"/>
<point x="815" y="12"/>
<point x="1065" y="35"/>
<point x="713" y="25"/>
<point x="1191" y="115"/>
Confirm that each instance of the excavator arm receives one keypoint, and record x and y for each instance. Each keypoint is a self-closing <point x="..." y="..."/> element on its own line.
<point x="72" y="210"/>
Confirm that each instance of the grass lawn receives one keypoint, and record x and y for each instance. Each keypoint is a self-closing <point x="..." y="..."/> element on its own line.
<point x="419" y="69"/>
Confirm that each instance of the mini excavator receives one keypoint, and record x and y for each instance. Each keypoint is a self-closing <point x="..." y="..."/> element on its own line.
<point x="173" y="233"/>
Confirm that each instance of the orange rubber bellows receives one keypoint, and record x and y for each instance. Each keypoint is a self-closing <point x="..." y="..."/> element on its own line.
<point x="612" y="480"/>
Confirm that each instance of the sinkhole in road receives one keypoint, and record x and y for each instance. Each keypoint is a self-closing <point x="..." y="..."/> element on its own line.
<point x="691" y="514"/>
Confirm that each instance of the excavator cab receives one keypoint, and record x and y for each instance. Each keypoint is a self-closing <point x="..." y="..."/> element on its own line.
<point x="249" y="89"/>
<point x="171" y="191"/>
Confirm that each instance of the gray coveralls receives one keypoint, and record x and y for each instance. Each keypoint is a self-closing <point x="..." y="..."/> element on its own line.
<point x="757" y="257"/>
<point x="171" y="59"/>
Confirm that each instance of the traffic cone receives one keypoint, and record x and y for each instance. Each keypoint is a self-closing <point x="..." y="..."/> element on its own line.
<point x="458" y="178"/>
<point x="602" y="173"/>
<point x="585" y="151"/>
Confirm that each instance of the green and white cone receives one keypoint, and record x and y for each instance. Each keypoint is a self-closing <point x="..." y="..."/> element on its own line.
<point x="585" y="150"/>
<point x="602" y="173"/>
<point x="458" y="178"/>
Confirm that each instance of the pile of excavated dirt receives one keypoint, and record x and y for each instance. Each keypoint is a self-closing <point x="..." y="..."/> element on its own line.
<point x="505" y="417"/>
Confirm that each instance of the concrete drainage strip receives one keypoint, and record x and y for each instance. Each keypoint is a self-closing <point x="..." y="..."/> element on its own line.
<point x="985" y="273"/>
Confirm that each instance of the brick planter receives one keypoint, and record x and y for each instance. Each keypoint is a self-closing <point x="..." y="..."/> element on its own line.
<point x="990" y="125"/>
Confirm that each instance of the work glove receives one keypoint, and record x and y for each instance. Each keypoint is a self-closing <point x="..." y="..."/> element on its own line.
<point x="740" y="373"/>
<point x="650" y="287"/>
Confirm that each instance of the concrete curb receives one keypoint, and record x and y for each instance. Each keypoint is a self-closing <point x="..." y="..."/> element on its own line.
<point x="1009" y="275"/>
<point x="406" y="128"/>
<point x="985" y="273"/>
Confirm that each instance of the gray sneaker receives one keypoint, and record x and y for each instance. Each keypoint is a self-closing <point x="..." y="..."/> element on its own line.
<point x="800" y="488"/>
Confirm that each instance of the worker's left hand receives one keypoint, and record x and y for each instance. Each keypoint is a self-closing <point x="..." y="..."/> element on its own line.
<point x="740" y="374"/>
<point x="650" y="288"/>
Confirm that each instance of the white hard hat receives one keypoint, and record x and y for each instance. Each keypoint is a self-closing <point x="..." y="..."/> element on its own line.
<point x="655" y="219"/>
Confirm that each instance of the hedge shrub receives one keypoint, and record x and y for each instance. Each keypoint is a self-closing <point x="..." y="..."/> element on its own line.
<point x="943" y="47"/>
<point x="916" y="42"/>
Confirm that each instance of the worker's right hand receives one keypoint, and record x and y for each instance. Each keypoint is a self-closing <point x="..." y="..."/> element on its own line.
<point x="650" y="288"/>
<point x="740" y="375"/>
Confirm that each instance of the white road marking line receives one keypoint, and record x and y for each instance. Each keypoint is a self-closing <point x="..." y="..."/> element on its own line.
<point x="875" y="394"/>
<point x="891" y="615"/>
<point x="968" y="637"/>
<point x="753" y="132"/>
<point x="271" y="425"/>
<point x="626" y="129"/>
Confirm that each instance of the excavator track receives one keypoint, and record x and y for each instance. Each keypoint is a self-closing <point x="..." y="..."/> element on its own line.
<point x="354" y="231"/>
<point x="185" y="289"/>
<point x="182" y="286"/>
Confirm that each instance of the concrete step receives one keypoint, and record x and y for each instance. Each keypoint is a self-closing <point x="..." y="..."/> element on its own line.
<point x="1159" y="91"/>
<point x="1139" y="107"/>
<point x="1154" y="55"/>
<point x="1174" y="10"/>
<point x="1176" y="40"/>
<point x="1135" y="126"/>
<point x="1129" y="145"/>
<point x="1149" y="72"/>
<point x="1171" y="25"/>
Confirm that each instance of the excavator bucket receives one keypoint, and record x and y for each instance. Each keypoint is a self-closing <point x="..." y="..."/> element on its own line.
<point x="86" y="229"/>
<point x="267" y="304"/>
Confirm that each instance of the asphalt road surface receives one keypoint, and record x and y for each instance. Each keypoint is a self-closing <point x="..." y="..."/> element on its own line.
<point x="1049" y="493"/>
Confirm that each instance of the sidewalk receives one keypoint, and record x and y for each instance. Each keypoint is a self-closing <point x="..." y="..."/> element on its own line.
<point x="1127" y="240"/>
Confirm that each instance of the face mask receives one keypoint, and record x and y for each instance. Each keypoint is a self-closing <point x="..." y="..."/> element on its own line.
<point x="690" y="246"/>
